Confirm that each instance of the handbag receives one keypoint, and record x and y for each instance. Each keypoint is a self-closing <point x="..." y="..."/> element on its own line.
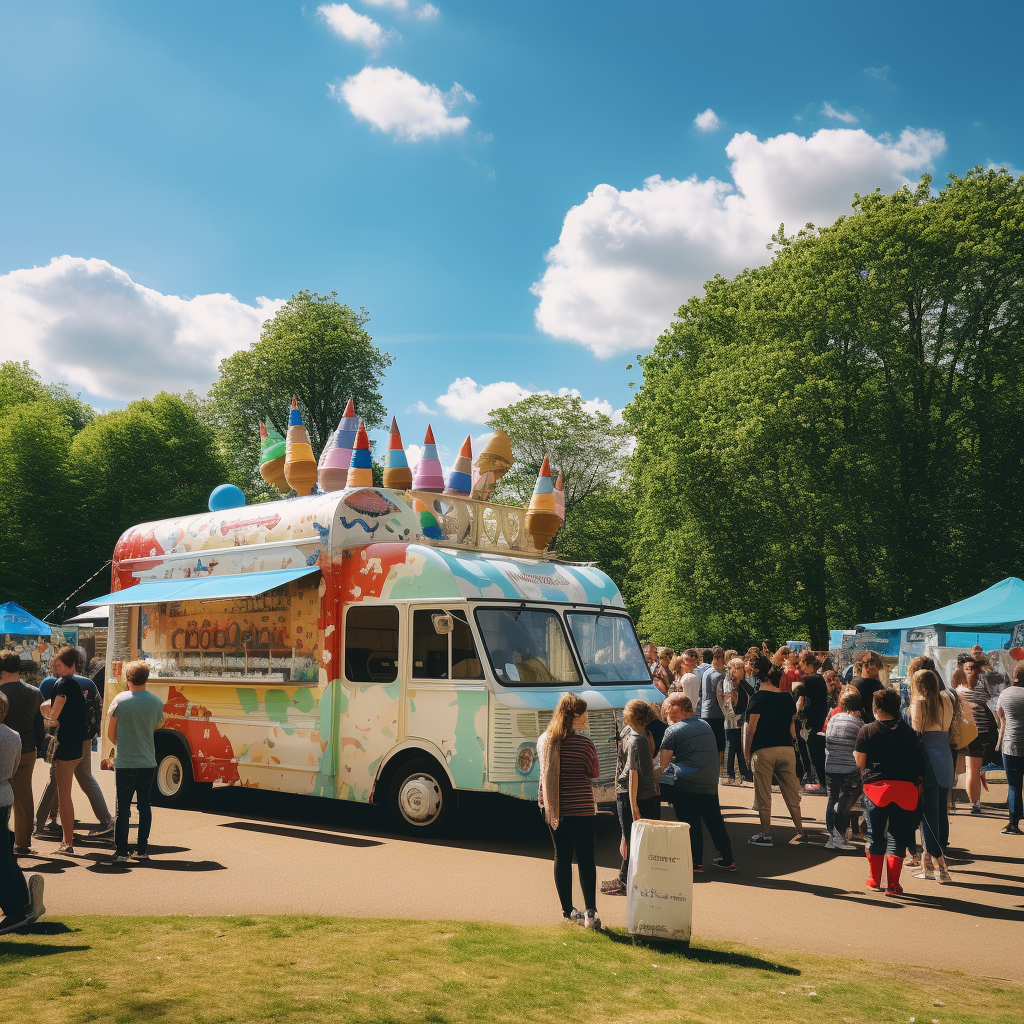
<point x="52" y="743"/>
<point x="962" y="730"/>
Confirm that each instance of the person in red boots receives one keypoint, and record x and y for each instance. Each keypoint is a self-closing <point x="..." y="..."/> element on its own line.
<point x="891" y="761"/>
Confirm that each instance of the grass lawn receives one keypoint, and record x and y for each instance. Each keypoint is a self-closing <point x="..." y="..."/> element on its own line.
<point x="162" y="970"/>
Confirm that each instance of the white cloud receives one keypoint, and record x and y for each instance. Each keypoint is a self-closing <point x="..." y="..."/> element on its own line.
<point x="625" y="261"/>
<point x="994" y="165"/>
<point x="402" y="8"/>
<point x="707" y="121"/>
<point x="422" y="407"/>
<point x="881" y="73"/>
<point x="469" y="402"/>
<point x="840" y="115"/>
<point x="88" y="323"/>
<point x="393" y="101"/>
<point x="355" y="27"/>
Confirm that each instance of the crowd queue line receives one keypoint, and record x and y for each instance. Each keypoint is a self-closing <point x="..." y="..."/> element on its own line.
<point x="785" y="722"/>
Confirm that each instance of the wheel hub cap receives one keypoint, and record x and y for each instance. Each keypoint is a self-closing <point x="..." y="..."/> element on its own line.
<point x="420" y="799"/>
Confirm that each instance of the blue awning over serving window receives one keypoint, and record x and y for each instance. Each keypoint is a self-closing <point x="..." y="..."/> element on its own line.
<point x="207" y="588"/>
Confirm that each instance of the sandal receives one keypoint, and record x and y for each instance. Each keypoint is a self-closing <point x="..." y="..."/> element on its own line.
<point x="68" y="851"/>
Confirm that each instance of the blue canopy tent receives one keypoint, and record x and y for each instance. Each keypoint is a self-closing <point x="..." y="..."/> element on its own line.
<point x="15" y="621"/>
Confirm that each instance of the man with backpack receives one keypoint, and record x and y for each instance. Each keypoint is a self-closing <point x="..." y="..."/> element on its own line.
<point x="63" y="664"/>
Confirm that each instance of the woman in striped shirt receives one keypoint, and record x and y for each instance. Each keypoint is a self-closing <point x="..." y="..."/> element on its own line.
<point x="568" y="766"/>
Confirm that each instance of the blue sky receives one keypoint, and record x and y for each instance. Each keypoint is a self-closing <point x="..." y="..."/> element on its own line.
<point x="241" y="149"/>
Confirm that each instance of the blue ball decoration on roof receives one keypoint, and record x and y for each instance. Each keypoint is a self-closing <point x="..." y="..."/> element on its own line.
<point x="226" y="496"/>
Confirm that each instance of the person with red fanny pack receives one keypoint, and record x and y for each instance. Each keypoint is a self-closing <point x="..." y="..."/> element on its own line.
<point x="891" y="761"/>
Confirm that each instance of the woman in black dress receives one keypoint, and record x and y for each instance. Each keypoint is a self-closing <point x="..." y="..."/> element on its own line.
<point x="67" y="713"/>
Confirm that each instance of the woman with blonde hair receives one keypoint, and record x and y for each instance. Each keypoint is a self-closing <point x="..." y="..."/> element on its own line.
<point x="568" y="766"/>
<point x="931" y="715"/>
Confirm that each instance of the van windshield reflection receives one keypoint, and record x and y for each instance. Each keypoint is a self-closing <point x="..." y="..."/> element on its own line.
<point x="608" y="647"/>
<point x="527" y="647"/>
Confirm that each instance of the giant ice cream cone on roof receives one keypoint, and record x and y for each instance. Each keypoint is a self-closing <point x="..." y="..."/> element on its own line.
<point x="360" y="469"/>
<point x="560" y="497"/>
<point x="493" y="463"/>
<point x="542" y="521"/>
<point x="299" y="464"/>
<point x="429" y="476"/>
<point x="460" y="479"/>
<point x="397" y="473"/>
<point x="336" y="456"/>
<point x="272" y="451"/>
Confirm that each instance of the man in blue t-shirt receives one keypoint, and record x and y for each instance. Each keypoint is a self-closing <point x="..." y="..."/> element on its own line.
<point x="691" y="784"/>
<point x="135" y="715"/>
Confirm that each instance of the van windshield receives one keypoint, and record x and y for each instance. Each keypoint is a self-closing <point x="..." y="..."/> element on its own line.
<point x="608" y="647"/>
<point x="527" y="647"/>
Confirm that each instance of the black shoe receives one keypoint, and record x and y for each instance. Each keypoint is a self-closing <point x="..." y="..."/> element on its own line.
<point x="9" y="924"/>
<point x="1012" y="830"/>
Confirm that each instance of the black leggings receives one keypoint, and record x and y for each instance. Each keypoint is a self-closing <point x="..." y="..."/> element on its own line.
<point x="575" y="833"/>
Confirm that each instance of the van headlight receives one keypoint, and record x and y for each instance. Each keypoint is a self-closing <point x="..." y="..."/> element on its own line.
<point x="524" y="762"/>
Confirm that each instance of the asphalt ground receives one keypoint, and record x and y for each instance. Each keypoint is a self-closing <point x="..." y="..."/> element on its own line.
<point x="244" y="851"/>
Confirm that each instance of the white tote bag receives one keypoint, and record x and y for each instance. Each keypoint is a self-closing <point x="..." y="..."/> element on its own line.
<point x="659" y="884"/>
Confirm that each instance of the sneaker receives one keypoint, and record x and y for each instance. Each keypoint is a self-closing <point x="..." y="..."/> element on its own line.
<point x="68" y="851"/>
<point x="140" y="855"/>
<point x="35" y="909"/>
<point x="760" y="840"/>
<point x="573" y="917"/>
<point x="10" y="924"/>
<point x="837" y="842"/>
<point x="591" y="920"/>
<point x="975" y="808"/>
<point x="1012" y="830"/>
<point x="719" y="862"/>
<point x="613" y="887"/>
<point x="25" y="851"/>
<point x="102" y="830"/>
<point x="50" y="830"/>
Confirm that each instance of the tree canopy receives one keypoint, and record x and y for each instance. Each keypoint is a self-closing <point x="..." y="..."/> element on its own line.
<point x="314" y="348"/>
<point x="836" y="437"/>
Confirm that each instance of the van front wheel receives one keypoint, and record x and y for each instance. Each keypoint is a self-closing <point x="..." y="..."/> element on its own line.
<point x="173" y="783"/>
<point x="421" y="798"/>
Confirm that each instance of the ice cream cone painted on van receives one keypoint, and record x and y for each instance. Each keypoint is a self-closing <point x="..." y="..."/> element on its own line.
<point x="360" y="469"/>
<point x="429" y="476"/>
<point x="541" y="518"/>
<point x="493" y="463"/>
<point x="337" y="455"/>
<point x="272" y="451"/>
<point x="397" y="473"/>
<point x="299" y="464"/>
<point x="460" y="479"/>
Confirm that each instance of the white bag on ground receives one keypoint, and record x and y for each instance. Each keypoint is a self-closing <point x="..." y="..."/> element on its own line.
<point x="659" y="884"/>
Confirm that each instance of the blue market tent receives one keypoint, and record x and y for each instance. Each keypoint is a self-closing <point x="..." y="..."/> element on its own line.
<point x="1000" y="605"/>
<point x="15" y="621"/>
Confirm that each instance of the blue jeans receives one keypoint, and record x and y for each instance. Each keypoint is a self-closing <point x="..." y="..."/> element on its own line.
<point x="843" y="790"/>
<point x="132" y="783"/>
<point x="1014" y="765"/>
<point x="934" y="819"/>
<point x="734" y="753"/>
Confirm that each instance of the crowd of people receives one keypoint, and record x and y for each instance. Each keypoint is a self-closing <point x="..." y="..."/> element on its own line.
<point x="787" y="722"/>
<point x="58" y="722"/>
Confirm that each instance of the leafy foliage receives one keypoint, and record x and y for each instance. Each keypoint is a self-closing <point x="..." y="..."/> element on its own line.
<point x="836" y="437"/>
<point x="314" y="348"/>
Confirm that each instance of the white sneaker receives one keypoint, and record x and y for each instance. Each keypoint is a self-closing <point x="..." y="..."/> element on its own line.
<point x="573" y="917"/>
<point x="837" y="842"/>
<point x="591" y="920"/>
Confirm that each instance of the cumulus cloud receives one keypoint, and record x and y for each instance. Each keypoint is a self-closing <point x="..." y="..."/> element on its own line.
<point x="469" y="402"/>
<point x="394" y="101"/>
<point x="355" y="27"/>
<point x="625" y="261"/>
<point x="707" y="121"/>
<point x="881" y="74"/>
<point x="86" y="322"/>
<point x="403" y="8"/>
<point x="840" y="115"/>
<point x="422" y="407"/>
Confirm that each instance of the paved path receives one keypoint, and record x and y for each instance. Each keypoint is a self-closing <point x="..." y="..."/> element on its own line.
<point x="270" y="853"/>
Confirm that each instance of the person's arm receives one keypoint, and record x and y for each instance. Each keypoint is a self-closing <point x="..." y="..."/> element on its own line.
<point x="1002" y="726"/>
<point x="112" y="730"/>
<point x="861" y="759"/>
<point x="55" y="710"/>
<point x="748" y="735"/>
<point x="720" y="694"/>
<point x="634" y="788"/>
<point x="666" y="760"/>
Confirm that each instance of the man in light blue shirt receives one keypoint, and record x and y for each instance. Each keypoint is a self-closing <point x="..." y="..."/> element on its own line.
<point x="135" y="715"/>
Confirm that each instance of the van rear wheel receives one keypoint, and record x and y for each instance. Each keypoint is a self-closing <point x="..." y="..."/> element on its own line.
<point x="174" y="784"/>
<point x="421" y="800"/>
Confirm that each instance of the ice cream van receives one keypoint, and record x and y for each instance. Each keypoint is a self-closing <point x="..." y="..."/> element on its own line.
<point x="368" y="644"/>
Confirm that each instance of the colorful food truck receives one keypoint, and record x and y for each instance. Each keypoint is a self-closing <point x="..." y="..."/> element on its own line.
<point x="369" y="644"/>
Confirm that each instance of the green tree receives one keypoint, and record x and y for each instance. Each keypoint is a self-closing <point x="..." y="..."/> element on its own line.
<point x="590" y="451"/>
<point x="19" y="384"/>
<point x="849" y="445"/>
<point x="314" y="348"/>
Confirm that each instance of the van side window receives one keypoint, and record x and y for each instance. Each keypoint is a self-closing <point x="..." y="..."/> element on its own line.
<point x="371" y="644"/>
<point x="443" y="655"/>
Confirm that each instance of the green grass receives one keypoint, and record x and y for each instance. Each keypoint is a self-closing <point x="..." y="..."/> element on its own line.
<point x="163" y="970"/>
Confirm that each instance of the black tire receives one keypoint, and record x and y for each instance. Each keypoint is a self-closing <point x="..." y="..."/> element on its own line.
<point x="173" y="783"/>
<point x="420" y="798"/>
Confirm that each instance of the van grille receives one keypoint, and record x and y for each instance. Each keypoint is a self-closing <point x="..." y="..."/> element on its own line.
<point x="602" y="732"/>
<point x="504" y="748"/>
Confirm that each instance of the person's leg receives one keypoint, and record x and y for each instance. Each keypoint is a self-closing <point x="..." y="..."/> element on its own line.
<point x="732" y="742"/>
<point x="930" y="829"/>
<point x="762" y="765"/>
<point x="625" y="813"/>
<point x="583" y="842"/>
<point x="562" y="842"/>
<point x="973" y="779"/>
<point x="48" y="801"/>
<point x="901" y="828"/>
<point x="816" y="746"/>
<point x="24" y="808"/>
<point x="65" y="776"/>
<point x="833" y="784"/>
<point x="847" y="792"/>
<point x="789" y="784"/>
<point x="687" y="810"/>
<point x="13" y="890"/>
<point x="875" y="849"/>
<point x="124" y="785"/>
<point x="91" y="788"/>
<point x="1014" y="767"/>
<point x="711" y="811"/>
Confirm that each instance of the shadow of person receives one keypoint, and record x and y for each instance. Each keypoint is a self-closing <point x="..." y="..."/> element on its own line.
<point x="15" y="953"/>
<point x="703" y="956"/>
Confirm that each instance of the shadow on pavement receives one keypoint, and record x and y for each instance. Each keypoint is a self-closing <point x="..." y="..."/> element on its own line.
<point x="702" y="956"/>
<point x="297" y="833"/>
<point x="105" y="866"/>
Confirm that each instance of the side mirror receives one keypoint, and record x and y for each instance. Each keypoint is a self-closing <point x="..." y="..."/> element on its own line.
<point x="443" y="624"/>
